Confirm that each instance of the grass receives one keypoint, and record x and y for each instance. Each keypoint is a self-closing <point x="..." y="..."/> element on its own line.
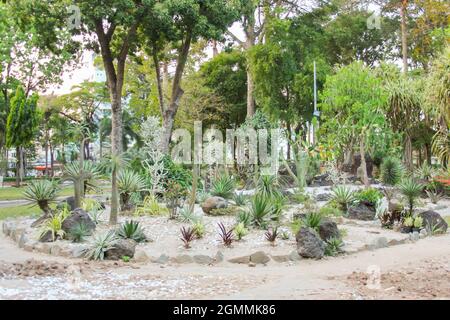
<point x="13" y="193"/>
<point x="19" y="211"/>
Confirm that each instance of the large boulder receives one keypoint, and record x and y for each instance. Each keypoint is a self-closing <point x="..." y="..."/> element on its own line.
<point x="78" y="216"/>
<point x="309" y="244"/>
<point x="122" y="248"/>
<point x="362" y="211"/>
<point x="321" y="181"/>
<point x="214" y="203"/>
<point x="433" y="221"/>
<point x="328" y="229"/>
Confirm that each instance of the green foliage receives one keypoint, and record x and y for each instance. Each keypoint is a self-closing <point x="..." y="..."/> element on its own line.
<point x="333" y="247"/>
<point x="150" y="206"/>
<point x="199" y="229"/>
<point x="296" y="226"/>
<point x="240" y="231"/>
<point x="410" y="190"/>
<point x="101" y="244"/>
<point x="79" y="232"/>
<point x="223" y="186"/>
<point x="42" y="193"/>
<point x="268" y="185"/>
<point x="391" y="171"/>
<point x="418" y="222"/>
<point x="408" y="222"/>
<point x="129" y="182"/>
<point x="186" y="215"/>
<point x="369" y="196"/>
<point x="261" y="209"/>
<point x="244" y="217"/>
<point x="54" y="226"/>
<point x="425" y="172"/>
<point x="343" y="196"/>
<point x="240" y="199"/>
<point x="330" y="211"/>
<point x="131" y="230"/>
<point x="312" y="220"/>
<point x="126" y="259"/>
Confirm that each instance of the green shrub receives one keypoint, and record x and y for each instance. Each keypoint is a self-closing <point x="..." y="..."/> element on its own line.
<point x="369" y="196"/>
<point x="260" y="209"/>
<point x="391" y="171"/>
<point x="128" y="183"/>
<point x="150" y="206"/>
<point x="240" y="231"/>
<point x="343" y="197"/>
<point x="267" y="185"/>
<point x="327" y="211"/>
<point x="199" y="229"/>
<point x="240" y="199"/>
<point x="312" y="220"/>
<point x="333" y="246"/>
<point x="244" y="217"/>
<point x="79" y="232"/>
<point x="101" y="244"/>
<point x="131" y="230"/>
<point x="54" y="226"/>
<point x="223" y="186"/>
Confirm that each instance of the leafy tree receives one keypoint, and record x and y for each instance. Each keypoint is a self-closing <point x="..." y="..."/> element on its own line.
<point x="21" y="127"/>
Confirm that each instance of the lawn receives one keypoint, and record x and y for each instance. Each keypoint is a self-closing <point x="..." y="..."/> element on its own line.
<point x="12" y="193"/>
<point x="19" y="211"/>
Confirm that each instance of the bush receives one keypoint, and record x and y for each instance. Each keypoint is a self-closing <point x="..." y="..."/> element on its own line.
<point x="327" y="211"/>
<point x="369" y="196"/>
<point x="150" y="206"/>
<point x="312" y="220"/>
<point x="131" y="230"/>
<point x="240" y="231"/>
<point x="223" y="186"/>
<point x="101" y="244"/>
<point x="244" y="217"/>
<point x="54" y="225"/>
<point x="199" y="229"/>
<point x="391" y="171"/>
<point x="343" y="197"/>
<point x="333" y="246"/>
<point x="79" y="232"/>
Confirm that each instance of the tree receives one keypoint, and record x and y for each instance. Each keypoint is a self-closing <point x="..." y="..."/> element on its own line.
<point x="352" y="105"/>
<point x="21" y="127"/>
<point x="182" y="23"/>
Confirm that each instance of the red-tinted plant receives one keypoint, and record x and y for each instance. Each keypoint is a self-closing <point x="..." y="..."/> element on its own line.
<point x="226" y="235"/>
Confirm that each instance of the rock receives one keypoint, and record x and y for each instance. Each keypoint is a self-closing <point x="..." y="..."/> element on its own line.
<point x="414" y="236"/>
<point x="122" y="247"/>
<point x="23" y="240"/>
<point x="328" y="229"/>
<point x="183" y="259"/>
<point x="322" y="197"/>
<point x="379" y="243"/>
<point x="202" y="259"/>
<point x="259" y="257"/>
<point x="424" y="232"/>
<point x="29" y="246"/>
<point x="361" y="211"/>
<point x="433" y="221"/>
<point x="70" y="201"/>
<point x="214" y="203"/>
<point x="282" y="258"/>
<point x="309" y="244"/>
<point x="79" y="251"/>
<point x="321" y="181"/>
<point x="78" y="216"/>
<point x="6" y="227"/>
<point x="163" y="259"/>
<point x="141" y="256"/>
<point x="252" y="264"/>
<point x="240" y="260"/>
<point x="55" y="250"/>
<point x="42" y="248"/>
<point x="294" y="256"/>
<point x="219" y="257"/>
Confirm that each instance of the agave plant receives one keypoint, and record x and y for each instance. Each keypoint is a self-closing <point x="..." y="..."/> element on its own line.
<point x="260" y="209"/>
<point x="150" y="206"/>
<point x="434" y="195"/>
<point x="54" y="226"/>
<point x="128" y="183"/>
<point x="343" y="197"/>
<point x="186" y="215"/>
<point x="267" y="185"/>
<point x="240" y="199"/>
<point x="410" y="190"/>
<point x="42" y="193"/>
<point x="425" y="172"/>
<point x="223" y="186"/>
<point x="199" y="229"/>
<point x="312" y="220"/>
<point x="131" y="230"/>
<point x="79" y="232"/>
<point x="101" y="244"/>
<point x="391" y="171"/>
<point x="333" y="246"/>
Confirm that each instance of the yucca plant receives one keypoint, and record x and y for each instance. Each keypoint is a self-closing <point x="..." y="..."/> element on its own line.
<point x="54" y="226"/>
<point x="83" y="179"/>
<point x="391" y="171"/>
<point x="425" y="172"/>
<point x="267" y="185"/>
<point x="223" y="186"/>
<point x="128" y="183"/>
<point x="240" y="199"/>
<point x="312" y="220"/>
<point x="101" y="244"/>
<point x="410" y="190"/>
<point x="187" y="236"/>
<point x="186" y="215"/>
<point x="434" y="195"/>
<point x="42" y="193"/>
<point x="343" y="197"/>
<point x="260" y="209"/>
<point x="333" y="246"/>
<point x="131" y="230"/>
<point x="278" y="202"/>
<point x="244" y="217"/>
<point x="225" y="235"/>
<point x="79" y="232"/>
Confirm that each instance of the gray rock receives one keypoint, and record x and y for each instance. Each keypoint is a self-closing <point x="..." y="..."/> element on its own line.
<point x="432" y="221"/>
<point x="361" y="211"/>
<point x="380" y="242"/>
<point x="328" y="229"/>
<point x="6" y="228"/>
<point x="79" y="251"/>
<point x="141" y="256"/>
<point x="294" y="256"/>
<point x="424" y="232"/>
<point x="214" y="203"/>
<point x="55" y="250"/>
<point x="322" y="197"/>
<point x="414" y="236"/>
<point x="309" y="244"/>
<point x="122" y="247"/>
<point x="29" y="246"/>
<point x="78" y="216"/>
<point x="70" y="201"/>
<point x="282" y="258"/>
<point x="240" y="260"/>
<point x="23" y="240"/>
<point x="219" y="257"/>
<point x="183" y="259"/>
<point x="163" y="259"/>
<point x="259" y="257"/>
<point x="202" y="259"/>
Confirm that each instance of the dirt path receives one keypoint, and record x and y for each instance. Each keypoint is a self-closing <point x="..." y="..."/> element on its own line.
<point x="409" y="271"/>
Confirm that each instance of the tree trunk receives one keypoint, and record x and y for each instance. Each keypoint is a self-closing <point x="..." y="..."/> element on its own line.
<point x="116" y="150"/>
<point x="250" y="91"/>
<point x="52" y="161"/>
<point x="404" y="35"/>
<point x="214" y="48"/>
<point x="407" y="153"/>
<point x="18" y="164"/>
<point x="362" y="152"/>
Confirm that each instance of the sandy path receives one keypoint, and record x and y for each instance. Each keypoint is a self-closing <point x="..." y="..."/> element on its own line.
<point x="333" y="278"/>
